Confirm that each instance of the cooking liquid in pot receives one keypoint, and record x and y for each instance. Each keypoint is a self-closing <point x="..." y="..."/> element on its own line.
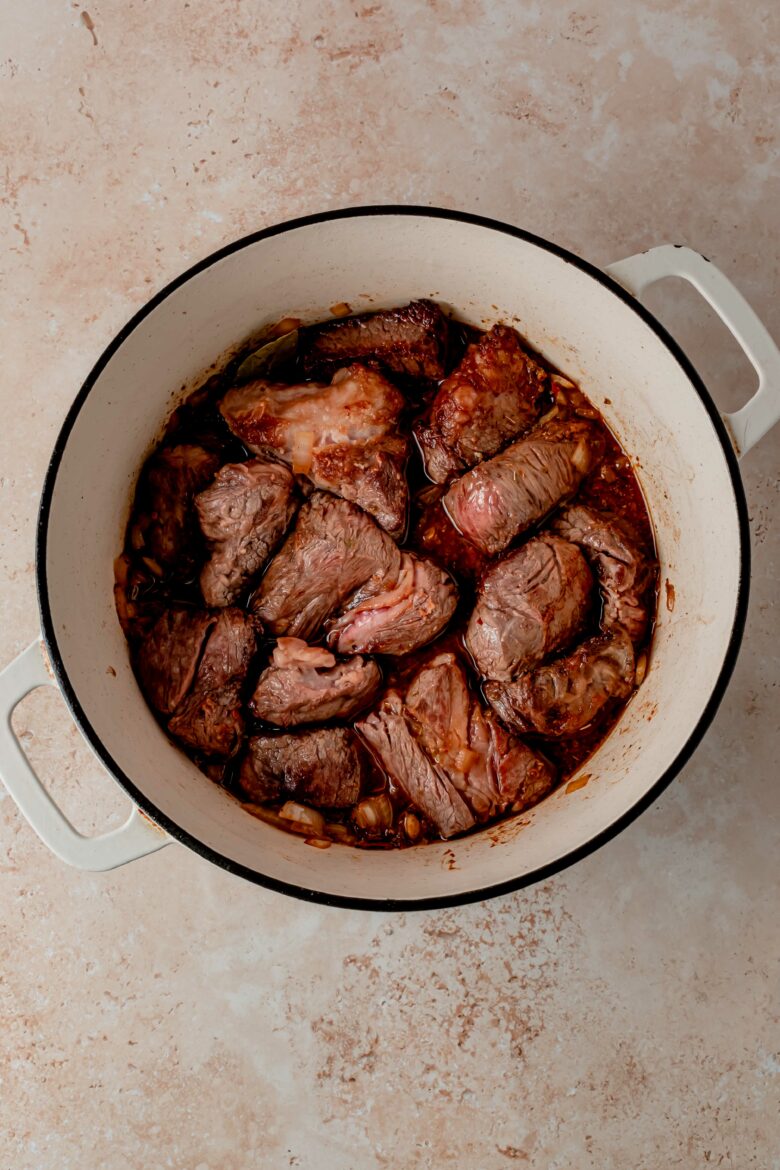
<point x="144" y="589"/>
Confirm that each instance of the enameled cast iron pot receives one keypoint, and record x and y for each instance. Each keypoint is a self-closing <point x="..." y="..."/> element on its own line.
<point x="588" y="324"/>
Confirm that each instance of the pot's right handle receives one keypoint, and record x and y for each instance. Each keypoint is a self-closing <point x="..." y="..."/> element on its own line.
<point x="135" y="838"/>
<point x="756" y="417"/>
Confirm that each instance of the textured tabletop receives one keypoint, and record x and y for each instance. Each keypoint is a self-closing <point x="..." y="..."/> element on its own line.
<point x="623" y="1014"/>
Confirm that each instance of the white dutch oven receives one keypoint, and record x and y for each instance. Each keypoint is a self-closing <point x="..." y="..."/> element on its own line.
<point x="583" y="321"/>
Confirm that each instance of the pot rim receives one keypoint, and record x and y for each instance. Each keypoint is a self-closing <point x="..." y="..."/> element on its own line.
<point x="541" y="873"/>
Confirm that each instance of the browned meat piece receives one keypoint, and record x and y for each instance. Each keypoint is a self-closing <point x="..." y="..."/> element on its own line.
<point x="321" y="767"/>
<point x="344" y="437"/>
<point x="523" y="777"/>
<point x="561" y="698"/>
<point x="426" y="785"/>
<point x="305" y="684"/>
<point x="169" y="656"/>
<point x="334" y="549"/>
<point x="171" y="480"/>
<point x="411" y="341"/>
<point x="243" y="516"/>
<point x="506" y="495"/>
<point x="210" y="717"/>
<point x="405" y="616"/>
<point x="434" y="535"/>
<point x="624" y="571"/>
<point x="493" y="770"/>
<point x="493" y="396"/>
<point x="530" y="604"/>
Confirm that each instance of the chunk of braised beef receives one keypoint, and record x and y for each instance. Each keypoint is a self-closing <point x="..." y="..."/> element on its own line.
<point x="494" y="395"/>
<point x="624" y="568"/>
<point x="170" y="481"/>
<point x="306" y="684"/>
<point x="407" y="615"/>
<point x="168" y="657"/>
<point x="334" y="549"/>
<point x="344" y="437"/>
<point x="209" y="719"/>
<point x="321" y="767"/>
<point x="411" y="341"/>
<point x="530" y="604"/>
<point x="502" y="498"/>
<point x="243" y="516"/>
<point x="562" y="697"/>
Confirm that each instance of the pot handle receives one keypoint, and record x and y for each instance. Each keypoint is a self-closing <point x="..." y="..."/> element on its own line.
<point x="135" y="838"/>
<point x="752" y="421"/>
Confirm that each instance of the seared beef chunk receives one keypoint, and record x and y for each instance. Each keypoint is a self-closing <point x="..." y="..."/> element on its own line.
<point x="493" y="770"/>
<point x="403" y="617"/>
<point x="343" y="437"/>
<point x="523" y="777"/>
<point x="305" y="684"/>
<point x="530" y="604"/>
<point x="169" y="656"/>
<point x="624" y="571"/>
<point x="243" y="516"/>
<point x="434" y="535"/>
<point x="493" y="396"/>
<point x="411" y="341"/>
<point x="210" y="719"/>
<point x="503" y="497"/>
<point x="172" y="478"/>
<point x="561" y="698"/>
<point x="426" y="785"/>
<point x="334" y="549"/>
<point x="322" y="768"/>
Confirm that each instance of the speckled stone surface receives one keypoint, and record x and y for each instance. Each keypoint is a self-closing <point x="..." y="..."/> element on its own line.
<point x="623" y="1014"/>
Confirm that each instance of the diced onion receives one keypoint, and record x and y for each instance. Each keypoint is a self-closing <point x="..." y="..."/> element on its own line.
<point x="303" y="819"/>
<point x="465" y="759"/>
<point x="374" y="814"/>
<point x="641" y="670"/>
<point x="412" y="826"/>
<point x="581" y="456"/>
<point x="302" y="448"/>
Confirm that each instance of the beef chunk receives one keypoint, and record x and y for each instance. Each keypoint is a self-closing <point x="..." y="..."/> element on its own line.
<point x="426" y="785"/>
<point x="530" y="604"/>
<point x="493" y="770"/>
<point x="506" y="495"/>
<point x="411" y="341"/>
<point x="169" y="656"/>
<point x="343" y="437"/>
<point x="171" y="479"/>
<point x="523" y="776"/>
<point x="321" y="767"/>
<point x="210" y="719"/>
<point x="305" y="684"/>
<point x="334" y="549"/>
<point x="561" y="698"/>
<point x="434" y="535"/>
<point x="243" y="516"/>
<point x="406" y="615"/>
<point x="493" y="396"/>
<point x="624" y="570"/>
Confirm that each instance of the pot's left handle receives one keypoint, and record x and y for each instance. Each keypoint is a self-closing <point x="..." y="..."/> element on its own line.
<point x="135" y="838"/>
<point x="762" y="411"/>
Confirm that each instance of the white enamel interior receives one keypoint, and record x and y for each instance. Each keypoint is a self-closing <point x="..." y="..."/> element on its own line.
<point x="372" y="261"/>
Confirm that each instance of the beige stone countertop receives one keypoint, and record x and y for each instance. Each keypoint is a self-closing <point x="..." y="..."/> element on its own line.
<point x="623" y="1014"/>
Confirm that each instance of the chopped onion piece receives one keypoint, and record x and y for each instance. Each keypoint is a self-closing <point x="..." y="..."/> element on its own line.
<point x="581" y="456"/>
<point x="641" y="670"/>
<point x="375" y="814"/>
<point x="302" y="818"/>
<point x="412" y="826"/>
<point x="302" y="448"/>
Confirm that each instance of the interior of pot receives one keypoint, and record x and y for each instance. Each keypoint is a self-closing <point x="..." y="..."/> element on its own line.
<point x="580" y="325"/>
